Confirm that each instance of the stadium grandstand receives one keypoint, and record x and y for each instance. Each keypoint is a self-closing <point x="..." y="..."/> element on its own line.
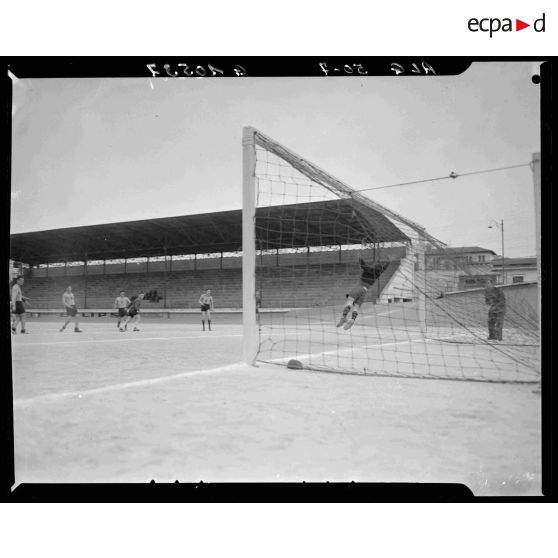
<point x="173" y="259"/>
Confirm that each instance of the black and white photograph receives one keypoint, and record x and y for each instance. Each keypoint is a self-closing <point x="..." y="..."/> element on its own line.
<point x="225" y="278"/>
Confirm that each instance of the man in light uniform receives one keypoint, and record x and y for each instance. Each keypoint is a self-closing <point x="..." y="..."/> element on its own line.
<point x="17" y="305"/>
<point x="121" y="303"/>
<point x="69" y="303"/>
<point x="206" y="306"/>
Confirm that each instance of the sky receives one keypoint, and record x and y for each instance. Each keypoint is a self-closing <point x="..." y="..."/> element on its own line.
<point x="91" y="151"/>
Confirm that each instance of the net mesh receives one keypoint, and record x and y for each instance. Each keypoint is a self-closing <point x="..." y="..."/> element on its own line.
<point x="425" y="311"/>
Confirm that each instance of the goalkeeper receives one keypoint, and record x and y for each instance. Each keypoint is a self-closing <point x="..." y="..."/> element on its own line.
<point x="355" y="297"/>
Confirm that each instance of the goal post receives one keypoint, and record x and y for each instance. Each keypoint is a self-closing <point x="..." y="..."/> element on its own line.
<point x="420" y="282"/>
<point x="536" y="169"/>
<point x="249" y="326"/>
<point x="351" y="286"/>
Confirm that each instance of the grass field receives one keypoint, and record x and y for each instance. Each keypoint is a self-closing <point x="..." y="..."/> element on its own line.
<point x="172" y="402"/>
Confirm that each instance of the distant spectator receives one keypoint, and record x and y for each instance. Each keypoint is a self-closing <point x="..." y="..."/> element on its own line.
<point x="496" y="299"/>
<point x="153" y="296"/>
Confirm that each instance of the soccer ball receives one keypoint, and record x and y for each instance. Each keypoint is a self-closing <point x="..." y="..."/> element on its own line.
<point x="294" y="364"/>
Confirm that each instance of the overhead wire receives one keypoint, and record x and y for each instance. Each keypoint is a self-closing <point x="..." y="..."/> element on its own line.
<point x="452" y="175"/>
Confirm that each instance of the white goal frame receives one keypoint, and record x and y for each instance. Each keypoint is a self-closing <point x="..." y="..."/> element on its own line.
<point x="249" y="323"/>
<point x="252" y="138"/>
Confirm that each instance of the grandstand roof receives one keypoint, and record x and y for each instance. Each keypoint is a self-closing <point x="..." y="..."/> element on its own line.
<point x="315" y="224"/>
<point x="459" y="250"/>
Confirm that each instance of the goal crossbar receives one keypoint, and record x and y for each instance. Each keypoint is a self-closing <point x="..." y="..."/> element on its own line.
<point x="328" y="181"/>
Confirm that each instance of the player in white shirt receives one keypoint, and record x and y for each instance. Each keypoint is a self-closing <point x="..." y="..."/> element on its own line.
<point x="69" y="303"/>
<point x="17" y="305"/>
<point x="121" y="303"/>
<point x="206" y="304"/>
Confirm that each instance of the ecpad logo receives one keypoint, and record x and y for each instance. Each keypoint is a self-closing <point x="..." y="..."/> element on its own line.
<point x="492" y="25"/>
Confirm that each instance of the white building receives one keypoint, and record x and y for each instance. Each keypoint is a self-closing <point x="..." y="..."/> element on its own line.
<point x="515" y="270"/>
<point x="470" y="267"/>
<point x="457" y="269"/>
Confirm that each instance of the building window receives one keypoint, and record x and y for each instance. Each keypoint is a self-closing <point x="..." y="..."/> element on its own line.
<point x="481" y="258"/>
<point x="517" y="279"/>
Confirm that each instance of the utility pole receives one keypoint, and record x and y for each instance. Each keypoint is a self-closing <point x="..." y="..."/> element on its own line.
<point x="500" y="226"/>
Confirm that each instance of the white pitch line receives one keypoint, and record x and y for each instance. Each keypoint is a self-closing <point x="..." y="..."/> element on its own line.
<point x="124" y="339"/>
<point x="309" y="355"/>
<point x="273" y="333"/>
<point x="26" y="402"/>
<point x="379" y="314"/>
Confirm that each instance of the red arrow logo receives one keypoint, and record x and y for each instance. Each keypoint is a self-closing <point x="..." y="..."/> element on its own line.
<point x="519" y="25"/>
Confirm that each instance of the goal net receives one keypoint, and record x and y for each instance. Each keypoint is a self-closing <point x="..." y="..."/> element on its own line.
<point x="419" y="308"/>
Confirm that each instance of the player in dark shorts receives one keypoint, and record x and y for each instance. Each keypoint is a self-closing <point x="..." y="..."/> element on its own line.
<point x="206" y="306"/>
<point x="121" y="303"/>
<point x="69" y="303"/>
<point x="355" y="297"/>
<point x="133" y="313"/>
<point x="17" y="305"/>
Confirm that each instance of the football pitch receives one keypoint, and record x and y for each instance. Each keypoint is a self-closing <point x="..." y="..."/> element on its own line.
<point x="172" y="402"/>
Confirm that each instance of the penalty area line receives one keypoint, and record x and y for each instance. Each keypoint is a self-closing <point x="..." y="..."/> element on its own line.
<point x="26" y="402"/>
